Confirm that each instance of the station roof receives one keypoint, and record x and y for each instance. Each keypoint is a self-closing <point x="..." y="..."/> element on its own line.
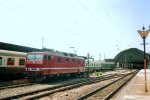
<point x="131" y="55"/>
<point x="13" y="47"/>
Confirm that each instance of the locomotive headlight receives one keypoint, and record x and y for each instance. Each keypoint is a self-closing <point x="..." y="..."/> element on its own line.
<point x="27" y="69"/>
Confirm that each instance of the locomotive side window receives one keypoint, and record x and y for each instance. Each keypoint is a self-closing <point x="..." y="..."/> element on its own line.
<point x="49" y="58"/>
<point x="59" y="59"/>
<point x="0" y="60"/>
<point x="30" y="57"/>
<point x="78" y="61"/>
<point x="73" y="61"/>
<point x="45" y="57"/>
<point x="67" y="60"/>
<point x="21" y="61"/>
<point x="10" y="61"/>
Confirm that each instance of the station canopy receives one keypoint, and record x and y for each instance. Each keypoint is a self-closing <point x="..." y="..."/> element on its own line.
<point x="132" y="55"/>
<point x="13" y="47"/>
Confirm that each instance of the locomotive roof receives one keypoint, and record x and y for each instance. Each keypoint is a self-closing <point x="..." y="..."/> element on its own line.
<point x="60" y="53"/>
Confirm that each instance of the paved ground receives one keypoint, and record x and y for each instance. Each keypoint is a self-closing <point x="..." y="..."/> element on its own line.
<point x="135" y="90"/>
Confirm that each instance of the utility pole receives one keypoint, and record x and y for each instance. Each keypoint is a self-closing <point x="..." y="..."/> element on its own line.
<point x="125" y="59"/>
<point x="42" y="43"/>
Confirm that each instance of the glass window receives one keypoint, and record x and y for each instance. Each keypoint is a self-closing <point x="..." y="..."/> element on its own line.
<point x="67" y="60"/>
<point x="30" y="57"/>
<point x="73" y="61"/>
<point x="49" y="58"/>
<point x="45" y="57"/>
<point x="78" y="61"/>
<point x="10" y="61"/>
<point x="39" y="57"/>
<point x="87" y="64"/>
<point x="59" y="59"/>
<point x="0" y="60"/>
<point x="21" y="61"/>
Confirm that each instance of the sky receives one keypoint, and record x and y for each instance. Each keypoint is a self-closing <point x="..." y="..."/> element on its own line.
<point x="102" y="28"/>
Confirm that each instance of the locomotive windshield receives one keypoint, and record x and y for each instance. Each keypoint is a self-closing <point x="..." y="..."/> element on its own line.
<point x="37" y="57"/>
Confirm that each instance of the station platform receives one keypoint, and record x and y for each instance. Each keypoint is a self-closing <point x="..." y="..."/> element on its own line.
<point x="135" y="89"/>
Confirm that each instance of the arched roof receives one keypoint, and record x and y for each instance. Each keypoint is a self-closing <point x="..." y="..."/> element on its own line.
<point x="131" y="55"/>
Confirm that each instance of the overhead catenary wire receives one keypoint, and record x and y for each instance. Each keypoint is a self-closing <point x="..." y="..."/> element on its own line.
<point x="110" y="17"/>
<point x="90" y="12"/>
<point x="13" y="6"/>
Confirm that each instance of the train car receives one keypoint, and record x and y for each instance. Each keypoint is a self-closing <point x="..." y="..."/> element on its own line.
<point x="99" y="66"/>
<point x="11" y="63"/>
<point x="92" y="66"/>
<point x="48" y="64"/>
<point x="108" y="66"/>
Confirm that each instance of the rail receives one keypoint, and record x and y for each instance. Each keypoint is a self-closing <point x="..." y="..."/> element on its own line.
<point x="101" y="88"/>
<point x="43" y="92"/>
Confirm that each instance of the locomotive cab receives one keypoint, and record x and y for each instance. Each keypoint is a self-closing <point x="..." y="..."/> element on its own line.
<point x="37" y="61"/>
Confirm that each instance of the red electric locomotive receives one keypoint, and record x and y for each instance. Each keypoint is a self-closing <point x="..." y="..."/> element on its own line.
<point x="47" y="64"/>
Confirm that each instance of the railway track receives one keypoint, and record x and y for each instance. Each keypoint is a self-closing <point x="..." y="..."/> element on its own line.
<point x="106" y="92"/>
<point x="14" y="84"/>
<point x="47" y="91"/>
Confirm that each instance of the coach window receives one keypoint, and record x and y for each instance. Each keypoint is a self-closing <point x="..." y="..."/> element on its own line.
<point x="0" y="60"/>
<point x="10" y="61"/>
<point x="21" y="61"/>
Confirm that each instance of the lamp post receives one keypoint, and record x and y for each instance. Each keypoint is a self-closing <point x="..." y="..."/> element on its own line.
<point x="144" y="34"/>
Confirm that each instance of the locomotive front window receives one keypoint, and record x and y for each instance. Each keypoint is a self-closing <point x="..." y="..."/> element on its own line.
<point x="30" y="57"/>
<point x="39" y="57"/>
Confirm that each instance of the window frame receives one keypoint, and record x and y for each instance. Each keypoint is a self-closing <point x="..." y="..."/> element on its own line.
<point x="10" y="61"/>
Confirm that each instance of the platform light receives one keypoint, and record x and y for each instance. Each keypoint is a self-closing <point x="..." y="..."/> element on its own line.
<point x="144" y="34"/>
